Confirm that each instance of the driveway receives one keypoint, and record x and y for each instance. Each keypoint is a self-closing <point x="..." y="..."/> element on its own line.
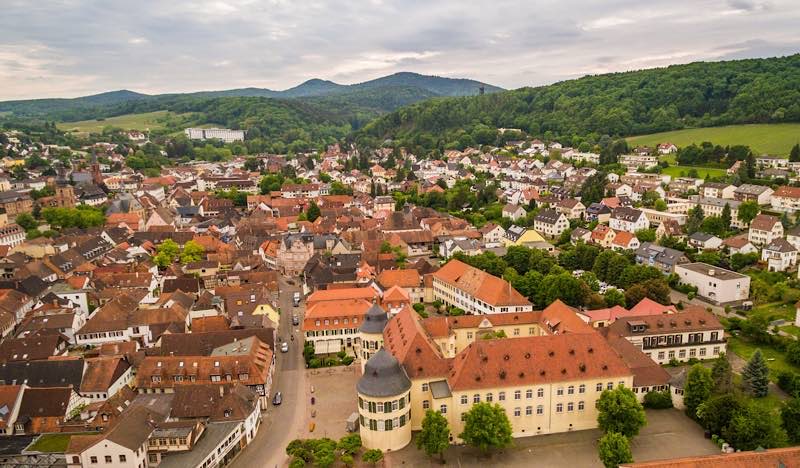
<point x="281" y="424"/>
<point x="668" y="434"/>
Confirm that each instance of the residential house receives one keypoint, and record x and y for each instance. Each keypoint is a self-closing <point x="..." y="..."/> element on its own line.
<point x="513" y="212"/>
<point x="779" y="255"/>
<point x="760" y="194"/>
<point x="786" y="199"/>
<point x="624" y="240"/>
<point x="764" y="229"/>
<point x="704" y="241"/>
<point x="717" y="190"/>
<point x="663" y="258"/>
<point x="740" y="245"/>
<point x="571" y="208"/>
<point x="628" y="219"/>
<point x="550" y="223"/>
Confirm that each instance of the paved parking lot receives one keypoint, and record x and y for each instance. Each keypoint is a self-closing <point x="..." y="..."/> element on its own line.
<point x="669" y="434"/>
<point x="335" y="399"/>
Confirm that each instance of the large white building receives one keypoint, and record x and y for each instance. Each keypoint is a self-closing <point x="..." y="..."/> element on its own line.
<point x="225" y="134"/>
<point x="715" y="284"/>
<point x="476" y="292"/>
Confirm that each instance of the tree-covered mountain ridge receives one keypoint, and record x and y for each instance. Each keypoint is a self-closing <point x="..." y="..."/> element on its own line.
<point x="700" y="94"/>
<point x="375" y="94"/>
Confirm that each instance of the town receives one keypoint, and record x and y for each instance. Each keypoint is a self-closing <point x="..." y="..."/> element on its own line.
<point x="346" y="306"/>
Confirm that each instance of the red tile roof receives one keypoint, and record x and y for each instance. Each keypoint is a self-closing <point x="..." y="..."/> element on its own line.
<point x="481" y="285"/>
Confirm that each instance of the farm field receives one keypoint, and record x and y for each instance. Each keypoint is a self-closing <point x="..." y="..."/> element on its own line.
<point x="702" y="172"/>
<point x="144" y="121"/>
<point x="776" y="139"/>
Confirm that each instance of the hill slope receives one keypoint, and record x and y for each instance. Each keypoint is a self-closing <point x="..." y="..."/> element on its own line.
<point x="776" y="139"/>
<point x="694" y="95"/>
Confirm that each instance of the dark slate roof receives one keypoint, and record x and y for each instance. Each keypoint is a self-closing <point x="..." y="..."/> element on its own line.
<point x="55" y="373"/>
<point x="383" y="377"/>
<point x="375" y="320"/>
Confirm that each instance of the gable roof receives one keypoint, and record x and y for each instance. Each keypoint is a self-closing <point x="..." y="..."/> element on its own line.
<point x="481" y="285"/>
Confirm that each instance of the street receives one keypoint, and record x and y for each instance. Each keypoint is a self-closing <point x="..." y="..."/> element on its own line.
<point x="281" y="424"/>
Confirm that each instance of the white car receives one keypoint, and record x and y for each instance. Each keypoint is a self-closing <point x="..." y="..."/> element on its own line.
<point x="284" y="347"/>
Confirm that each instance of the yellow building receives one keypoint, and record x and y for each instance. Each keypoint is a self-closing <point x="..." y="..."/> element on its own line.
<point x="384" y="401"/>
<point x="546" y="368"/>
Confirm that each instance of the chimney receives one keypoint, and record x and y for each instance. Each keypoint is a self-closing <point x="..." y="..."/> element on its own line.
<point x="711" y="272"/>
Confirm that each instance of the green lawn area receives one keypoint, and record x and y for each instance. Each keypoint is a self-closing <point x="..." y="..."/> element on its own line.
<point x="775" y="139"/>
<point x="792" y="330"/>
<point x="773" y="311"/>
<point x="702" y="172"/>
<point x="776" y="360"/>
<point x="144" y="121"/>
<point x="54" y="442"/>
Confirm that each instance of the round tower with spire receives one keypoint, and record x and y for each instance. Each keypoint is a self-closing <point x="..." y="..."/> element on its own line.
<point x="384" y="403"/>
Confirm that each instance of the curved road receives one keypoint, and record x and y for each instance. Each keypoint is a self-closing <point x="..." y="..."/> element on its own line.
<point x="281" y="424"/>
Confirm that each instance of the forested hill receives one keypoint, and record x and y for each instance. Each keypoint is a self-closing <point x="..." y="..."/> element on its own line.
<point x="693" y="95"/>
<point x="379" y="95"/>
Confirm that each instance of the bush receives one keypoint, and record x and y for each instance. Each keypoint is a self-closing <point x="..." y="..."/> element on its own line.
<point x="658" y="400"/>
<point x="314" y="363"/>
<point x="789" y="382"/>
<point x="348" y="360"/>
<point x="419" y="307"/>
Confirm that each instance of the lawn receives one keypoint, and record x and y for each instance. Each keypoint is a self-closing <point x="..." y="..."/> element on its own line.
<point x="702" y="172"/>
<point x="774" y="311"/>
<point x="776" y="359"/>
<point x="775" y="139"/>
<point x="145" y="121"/>
<point x="50" y="443"/>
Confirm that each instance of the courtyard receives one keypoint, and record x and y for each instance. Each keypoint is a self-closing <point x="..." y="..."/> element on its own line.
<point x="668" y="434"/>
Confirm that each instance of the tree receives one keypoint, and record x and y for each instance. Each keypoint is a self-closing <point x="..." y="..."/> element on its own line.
<point x="794" y="155"/>
<point x="593" y="189"/>
<point x="747" y="212"/>
<point x="792" y="352"/>
<point x="372" y="456"/>
<point x="754" y="426"/>
<point x="697" y="388"/>
<point x="726" y="216"/>
<point x="486" y="427"/>
<point x="614" y="449"/>
<point x="313" y="211"/>
<point x="722" y="375"/>
<point x="192" y="252"/>
<point x="790" y="418"/>
<point x="755" y="375"/>
<point x="696" y="217"/>
<point x="620" y="411"/>
<point x="26" y="221"/>
<point x="350" y="444"/>
<point x="716" y="413"/>
<point x="614" y="296"/>
<point x="435" y="435"/>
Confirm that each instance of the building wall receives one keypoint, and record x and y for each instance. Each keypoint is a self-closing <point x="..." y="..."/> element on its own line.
<point x="699" y="345"/>
<point x="451" y="295"/>
<point x="714" y="288"/>
<point x="374" y="433"/>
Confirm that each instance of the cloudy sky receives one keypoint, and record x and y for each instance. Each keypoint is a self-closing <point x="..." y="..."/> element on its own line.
<point x="71" y="48"/>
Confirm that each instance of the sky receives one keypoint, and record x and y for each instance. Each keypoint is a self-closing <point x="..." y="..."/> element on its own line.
<point x="70" y="48"/>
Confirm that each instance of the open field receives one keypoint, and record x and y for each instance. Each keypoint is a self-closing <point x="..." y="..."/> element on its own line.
<point x="144" y="121"/>
<point x="702" y="172"/>
<point x="775" y="139"/>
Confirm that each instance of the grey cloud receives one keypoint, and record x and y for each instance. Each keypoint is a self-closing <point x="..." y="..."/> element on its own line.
<point x="75" y="47"/>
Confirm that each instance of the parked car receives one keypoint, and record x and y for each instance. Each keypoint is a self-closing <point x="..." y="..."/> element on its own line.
<point x="295" y="320"/>
<point x="285" y="347"/>
<point x="277" y="399"/>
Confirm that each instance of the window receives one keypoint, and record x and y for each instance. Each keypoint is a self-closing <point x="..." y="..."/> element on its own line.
<point x="702" y="351"/>
<point x="109" y="459"/>
<point x="122" y="459"/>
<point x="516" y="332"/>
<point x="426" y="404"/>
<point x="388" y="425"/>
<point x="571" y="390"/>
<point x="476" y="398"/>
<point x="560" y="408"/>
<point x="599" y="387"/>
<point x="716" y="350"/>
<point x="528" y="410"/>
<point x="425" y="387"/>
<point x="517" y="411"/>
<point x="560" y="391"/>
<point x="692" y="352"/>
<point x="580" y="406"/>
<point x="489" y="397"/>
<point x="570" y="406"/>
<point x="443" y="409"/>
<point x="469" y="335"/>
<point x="92" y="459"/>
<point x="517" y="394"/>
<point x="671" y="354"/>
<point x="540" y="409"/>
<point x="582" y="388"/>
<point x="529" y="393"/>
<point x="682" y="353"/>
<point x="501" y="396"/>
<point x="610" y="386"/>
<point x="661" y="354"/>
<point x="464" y="399"/>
